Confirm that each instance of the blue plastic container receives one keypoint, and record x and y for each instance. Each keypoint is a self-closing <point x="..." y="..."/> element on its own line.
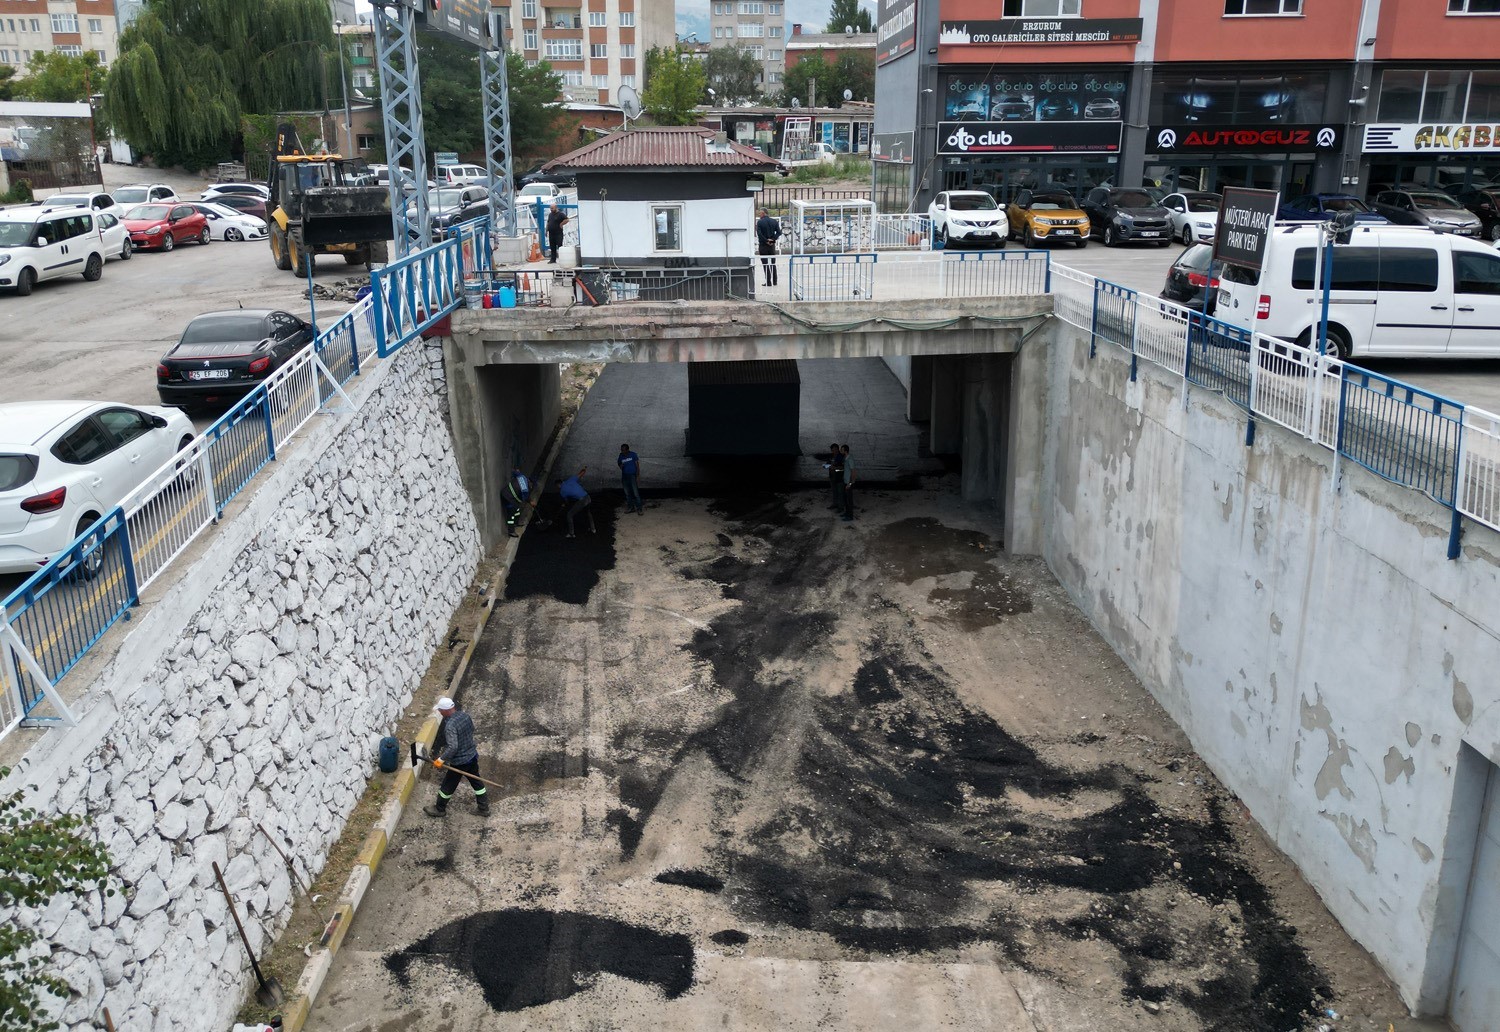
<point x="507" y="296"/>
<point x="390" y="754"/>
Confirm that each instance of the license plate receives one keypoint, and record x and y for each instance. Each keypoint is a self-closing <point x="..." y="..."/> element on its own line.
<point x="1149" y="232"/>
<point x="983" y="233"/>
<point x="208" y="374"/>
<point x="1062" y="232"/>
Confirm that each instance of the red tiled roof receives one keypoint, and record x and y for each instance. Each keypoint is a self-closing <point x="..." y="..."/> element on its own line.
<point x="676" y="146"/>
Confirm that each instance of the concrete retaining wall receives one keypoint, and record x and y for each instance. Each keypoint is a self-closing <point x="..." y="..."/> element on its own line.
<point x="253" y="692"/>
<point x="1324" y="657"/>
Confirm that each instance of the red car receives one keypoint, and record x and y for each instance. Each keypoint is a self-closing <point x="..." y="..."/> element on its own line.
<point x="164" y="226"/>
<point x="247" y="203"/>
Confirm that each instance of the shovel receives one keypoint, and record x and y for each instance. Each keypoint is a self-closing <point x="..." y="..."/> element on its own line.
<point x="268" y="992"/>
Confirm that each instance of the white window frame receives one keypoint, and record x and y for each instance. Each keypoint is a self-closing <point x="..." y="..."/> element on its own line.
<point x="71" y="49"/>
<point x="752" y="30"/>
<point x="1464" y="12"/>
<point x="598" y="19"/>
<point x="627" y="50"/>
<point x="61" y="23"/>
<point x="598" y="50"/>
<point x="564" y="49"/>
<point x="1285" y="9"/>
<point x="601" y="82"/>
<point x="774" y="10"/>
<point x="627" y="80"/>
<point x="627" y="19"/>
<point x="528" y="9"/>
<point x="528" y="39"/>
<point x="774" y="31"/>
<point x="1042" y="9"/>
<point x="96" y="24"/>
<point x="573" y="77"/>
<point x="656" y="247"/>
<point x="750" y="7"/>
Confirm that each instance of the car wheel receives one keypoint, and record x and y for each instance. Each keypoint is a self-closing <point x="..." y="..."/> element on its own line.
<point x="126" y="250"/>
<point x="205" y="236"/>
<point x="25" y="280"/>
<point x="168" y="241"/>
<point x="1162" y="243"/>
<point x="942" y="235"/>
<point x="233" y="235"/>
<point x="89" y="566"/>
<point x="1187" y="236"/>
<point x="1083" y="242"/>
<point x="1110" y="240"/>
<point x="1494" y="233"/>
<point x="1030" y="238"/>
<point x="93" y="268"/>
<point x="1338" y="343"/>
<point x="190" y="478"/>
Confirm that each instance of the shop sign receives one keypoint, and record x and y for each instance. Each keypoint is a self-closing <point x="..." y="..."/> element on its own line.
<point x="895" y="29"/>
<point x="893" y="147"/>
<point x="1028" y="137"/>
<point x="1035" y="95"/>
<point x="1051" y="31"/>
<point x="1197" y="139"/>
<point x="1450" y="137"/>
<point x="1245" y="220"/>
<point x="467" y="20"/>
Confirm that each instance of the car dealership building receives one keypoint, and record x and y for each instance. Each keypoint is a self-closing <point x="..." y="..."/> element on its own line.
<point x="1295" y="95"/>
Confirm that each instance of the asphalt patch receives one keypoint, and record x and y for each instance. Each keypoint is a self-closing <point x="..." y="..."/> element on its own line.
<point x="527" y="958"/>
<point x="912" y="823"/>
<point x="700" y="880"/>
<point x="552" y="565"/>
<point x="730" y="937"/>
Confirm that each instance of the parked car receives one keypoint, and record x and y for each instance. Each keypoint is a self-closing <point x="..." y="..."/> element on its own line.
<point x="1122" y="215"/>
<point x="226" y="223"/>
<point x="217" y="190"/>
<point x="1057" y="109"/>
<point x="1394" y="292"/>
<point x="1428" y="208"/>
<point x="1194" y="215"/>
<point x="1485" y="204"/>
<point x="1193" y="279"/>
<point x="245" y="204"/>
<point x="162" y="227"/>
<point x="38" y="245"/>
<point x="1045" y="217"/>
<point x="144" y="193"/>
<point x="222" y="356"/>
<point x="968" y="216"/>
<point x="448" y="207"/>
<point x="1107" y="108"/>
<point x="380" y="175"/>
<point x="1319" y="207"/>
<point x="1011" y="109"/>
<point x="460" y="175"/>
<point x="535" y="174"/>
<point x="92" y="200"/>
<point x="529" y="194"/>
<point x="63" y="464"/>
<point x="116" y="238"/>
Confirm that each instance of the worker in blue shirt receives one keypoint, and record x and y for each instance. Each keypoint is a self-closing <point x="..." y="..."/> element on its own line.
<point x="576" y="499"/>
<point x="630" y="471"/>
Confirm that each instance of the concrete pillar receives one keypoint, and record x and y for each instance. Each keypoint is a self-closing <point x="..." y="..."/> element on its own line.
<point x="986" y="392"/>
<point x="919" y="390"/>
<point x="1025" y="439"/>
<point x="500" y="414"/>
<point x="946" y="410"/>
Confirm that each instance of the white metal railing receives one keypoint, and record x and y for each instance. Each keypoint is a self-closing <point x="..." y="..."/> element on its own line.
<point x="1161" y="333"/>
<point x="1479" y="467"/>
<point x="1072" y="296"/>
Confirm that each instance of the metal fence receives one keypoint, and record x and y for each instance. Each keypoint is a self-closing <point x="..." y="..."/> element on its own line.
<point x="1479" y="467"/>
<point x="831" y="277"/>
<point x="1218" y="357"/>
<point x="1400" y="432"/>
<point x="51" y="621"/>
<point x="780" y="198"/>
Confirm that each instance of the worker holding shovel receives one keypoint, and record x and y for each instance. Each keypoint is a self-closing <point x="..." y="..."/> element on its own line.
<point x="459" y="757"/>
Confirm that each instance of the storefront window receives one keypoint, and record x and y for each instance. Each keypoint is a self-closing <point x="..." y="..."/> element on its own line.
<point x="1022" y="95"/>
<point x="1401" y="96"/>
<point x="1443" y="99"/>
<point x="1410" y="95"/>
<point x="1210" y="99"/>
<point x="1484" y="97"/>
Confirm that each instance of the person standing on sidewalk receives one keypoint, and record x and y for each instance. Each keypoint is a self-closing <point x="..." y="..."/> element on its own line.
<point x="556" y="220"/>
<point x="849" y="479"/>
<point x="576" y="499"/>
<point x="767" y="232"/>
<point x="630" y="472"/>
<point x="835" y="468"/>
<point x="459" y="756"/>
<point x="514" y="499"/>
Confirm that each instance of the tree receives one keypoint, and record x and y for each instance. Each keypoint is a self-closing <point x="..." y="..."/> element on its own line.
<point x="188" y="69"/>
<point x="7" y="82"/>
<point x="452" y="104"/>
<point x="846" y="14"/>
<point x="732" y="73"/>
<point x="40" y="858"/>
<point x="60" y="78"/>
<point x="674" y="85"/>
<point x="851" y="71"/>
<point x="535" y="116"/>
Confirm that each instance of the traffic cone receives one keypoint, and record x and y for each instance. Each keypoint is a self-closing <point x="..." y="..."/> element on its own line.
<point x="536" y="250"/>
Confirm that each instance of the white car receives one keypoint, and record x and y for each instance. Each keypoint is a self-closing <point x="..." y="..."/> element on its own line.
<point x="533" y="192"/>
<point x="971" y="216"/>
<point x="226" y="223"/>
<point x="144" y="193"/>
<point x="38" y="245"/>
<point x="1194" y="215"/>
<point x="64" y="464"/>
<point x="245" y="189"/>
<point x="115" y="236"/>
<point x="93" y="200"/>
<point x="461" y="175"/>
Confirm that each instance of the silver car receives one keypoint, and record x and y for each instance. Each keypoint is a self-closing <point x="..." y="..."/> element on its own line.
<point x="1430" y="208"/>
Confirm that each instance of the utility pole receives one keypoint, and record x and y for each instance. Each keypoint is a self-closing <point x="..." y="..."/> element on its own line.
<point x="349" y="151"/>
<point x="812" y="95"/>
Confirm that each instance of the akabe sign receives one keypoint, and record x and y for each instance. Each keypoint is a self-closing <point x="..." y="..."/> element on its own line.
<point x="1245" y="220"/>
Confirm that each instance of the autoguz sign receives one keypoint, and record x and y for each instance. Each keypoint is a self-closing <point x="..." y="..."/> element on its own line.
<point x="1245" y="220"/>
<point x="1028" y="137"/>
<point x="895" y="29"/>
<point x="1197" y="139"/>
<point x="1054" y="31"/>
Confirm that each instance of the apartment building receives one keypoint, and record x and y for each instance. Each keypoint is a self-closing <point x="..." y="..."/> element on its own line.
<point x="597" y="46"/>
<point x="1293" y="95"/>
<point x="29" y="27"/>
<point x="758" y="26"/>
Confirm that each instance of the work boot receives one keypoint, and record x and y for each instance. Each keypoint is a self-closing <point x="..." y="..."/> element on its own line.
<point x="484" y="806"/>
<point x="432" y="810"/>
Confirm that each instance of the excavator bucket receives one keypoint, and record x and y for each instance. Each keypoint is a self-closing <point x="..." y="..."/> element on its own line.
<point x="346" y="214"/>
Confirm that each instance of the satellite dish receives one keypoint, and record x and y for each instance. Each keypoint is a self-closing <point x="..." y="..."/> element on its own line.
<point x="630" y="102"/>
<point x="796" y="102"/>
<point x="848" y="30"/>
<point x="848" y="94"/>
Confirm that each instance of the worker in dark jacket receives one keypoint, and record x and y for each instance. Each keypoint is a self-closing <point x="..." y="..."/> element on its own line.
<point x="556" y="220"/>
<point x="515" y="498"/>
<point x="459" y="756"/>
<point x="767" y="232"/>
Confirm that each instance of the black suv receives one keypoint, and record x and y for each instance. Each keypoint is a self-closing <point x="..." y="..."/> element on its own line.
<point x="1122" y="215"/>
<point x="1484" y="202"/>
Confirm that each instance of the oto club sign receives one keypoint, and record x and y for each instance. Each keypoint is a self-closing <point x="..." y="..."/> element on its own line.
<point x="1028" y="137"/>
<point x="1204" y="139"/>
<point x="1245" y="220"/>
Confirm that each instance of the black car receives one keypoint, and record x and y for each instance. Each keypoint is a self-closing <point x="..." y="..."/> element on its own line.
<point x="1193" y="279"/>
<point x="1121" y="215"/>
<point x="536" y="175"/>
<point x="1486" y="204"/>
<point x="222" y="356"/>
<point x="454" y="204"/>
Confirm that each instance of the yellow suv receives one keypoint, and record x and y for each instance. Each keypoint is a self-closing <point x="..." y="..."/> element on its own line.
<point x="1042" y="216"/>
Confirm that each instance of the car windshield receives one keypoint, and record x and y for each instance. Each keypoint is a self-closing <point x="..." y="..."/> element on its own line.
<point x="971" y="202"/>
<point x="223" y="328"/>
<point x="536" y="190"/>
<point x="1052" y="202"/>
<point x="148" y="212"/>
<point x="17" y="234"/>
<point x="1133" y="199"/>
<point x="1434" y="201"/>
<point x="132" y="194"/>
<point x="1203" y="204"/>
<point x="1196" y="257"/>
<point x="1342" y="204"/>
<point x="66" y="200"/>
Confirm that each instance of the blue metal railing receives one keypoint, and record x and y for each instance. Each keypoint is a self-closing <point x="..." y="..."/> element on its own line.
<point x="1114" y="313"/>
<point x="413" y="294"/>
<point x="1218" y="357"/>
<point x="1400" y="432"/>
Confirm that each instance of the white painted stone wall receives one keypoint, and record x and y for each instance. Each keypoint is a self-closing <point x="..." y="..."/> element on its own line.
<point x="254" y="692"/>
<point x="1321" y="652"/>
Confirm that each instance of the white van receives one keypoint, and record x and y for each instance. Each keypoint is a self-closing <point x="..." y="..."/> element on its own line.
<point x="37" y="245"/>
<point x="1396" y="291"/>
